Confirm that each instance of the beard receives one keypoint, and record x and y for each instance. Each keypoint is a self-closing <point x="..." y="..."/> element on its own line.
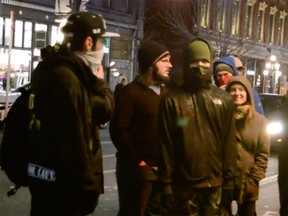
<point x="197" y="78"/>
<point x="158" y="78"/>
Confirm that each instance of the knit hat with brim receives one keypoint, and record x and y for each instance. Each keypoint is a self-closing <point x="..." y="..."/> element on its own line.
<point x="149" y="53"/>
<point x="224" y="67"/>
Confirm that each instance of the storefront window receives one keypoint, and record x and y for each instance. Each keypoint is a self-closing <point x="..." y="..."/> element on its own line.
<point x="7" y="31"/>
<point x="18" y="33"/>
<point x="1" y="30"/>
<point x="19" y="67"/>
<point x="27" y="34"/>
<point x="56" y="35"/>
<point x="40" y="37"/>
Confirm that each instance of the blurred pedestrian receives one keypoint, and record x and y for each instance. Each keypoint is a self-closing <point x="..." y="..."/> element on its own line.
<point x="197" y="132"/>
<point x="221" y="77"/>
<point x="69" y="103"/>
<point x="253" y="146"/>
<point x="133" y="130"/>
<point x="123" y="81"/>
<point x="239" y="65"/>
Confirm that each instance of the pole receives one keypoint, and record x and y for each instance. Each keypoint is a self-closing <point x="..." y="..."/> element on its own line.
<point x="12" y="18"/>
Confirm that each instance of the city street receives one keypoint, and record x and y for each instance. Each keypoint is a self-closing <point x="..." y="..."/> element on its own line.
<point x="19" y="204"/>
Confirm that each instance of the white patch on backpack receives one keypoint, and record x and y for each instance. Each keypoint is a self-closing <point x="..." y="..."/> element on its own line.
<point x="217" y="101"/>
<point x="41" y="172"/>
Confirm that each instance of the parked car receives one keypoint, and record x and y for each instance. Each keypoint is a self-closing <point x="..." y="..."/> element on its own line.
<point x="273" y="110"/>
<point x="8" y="98"/>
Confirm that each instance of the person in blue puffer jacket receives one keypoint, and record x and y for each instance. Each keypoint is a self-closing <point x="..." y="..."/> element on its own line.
<point x="223" y="69"/>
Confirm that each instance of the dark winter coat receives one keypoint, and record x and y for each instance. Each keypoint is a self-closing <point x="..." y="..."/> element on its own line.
<point x="69" y="104"/>
<point x="197" y="130"/>
<point x="133" y="128"/>
<point x="253" y="147"/>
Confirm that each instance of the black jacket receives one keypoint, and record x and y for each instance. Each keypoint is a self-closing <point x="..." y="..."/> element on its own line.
<point x="198" y="139"/>
<point x="66" y="156"/>
<point x="133" y="128"/>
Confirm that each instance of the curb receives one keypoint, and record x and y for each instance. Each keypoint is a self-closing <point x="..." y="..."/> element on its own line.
<point x="268" y="180"/>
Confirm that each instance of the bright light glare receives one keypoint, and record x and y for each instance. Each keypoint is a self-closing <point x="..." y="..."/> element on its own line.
<point x="274" y="128"/>
<point x="116" y="74"/>
<point x="265" y="72"/>
<point x="273" y="58"/>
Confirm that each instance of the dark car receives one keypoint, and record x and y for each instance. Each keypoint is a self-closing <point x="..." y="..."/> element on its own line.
<point x="274" y="112"/>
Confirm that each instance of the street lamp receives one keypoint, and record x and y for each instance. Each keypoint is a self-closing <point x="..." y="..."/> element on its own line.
<point x="272" y="72"/>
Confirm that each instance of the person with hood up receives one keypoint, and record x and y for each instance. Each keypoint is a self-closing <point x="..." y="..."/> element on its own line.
<point x="69" y="102"/>
<point x="197" y="131"/>
<point x="225" y="68"/>
<point x="253" y="146"/>
<point x="133" y="130"/>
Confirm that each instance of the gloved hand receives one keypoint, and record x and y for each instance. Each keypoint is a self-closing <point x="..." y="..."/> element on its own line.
<point x="168" y="204"/>
<point x="227" y="197"/>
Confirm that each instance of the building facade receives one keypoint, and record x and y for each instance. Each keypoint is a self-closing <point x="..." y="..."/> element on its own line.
<point x="27" y="26"/>
<point x="251" y="29"/>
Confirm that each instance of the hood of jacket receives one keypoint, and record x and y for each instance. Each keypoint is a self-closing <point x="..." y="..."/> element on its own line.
<point x="226" y="60"/>
<point x="60" y="55"/>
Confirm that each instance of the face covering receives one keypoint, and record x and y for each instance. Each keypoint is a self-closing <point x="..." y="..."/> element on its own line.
<point x="223" y="80"/>
<point x="92" y="58"/>
<point x="197" y="78"/>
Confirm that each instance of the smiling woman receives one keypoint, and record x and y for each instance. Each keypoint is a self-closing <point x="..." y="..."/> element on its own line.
<point x="253" y="146"/>
<point x="238" y="93"/>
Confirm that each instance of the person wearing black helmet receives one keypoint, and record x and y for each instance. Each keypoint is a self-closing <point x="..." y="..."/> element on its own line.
<point x="70" y="100"/>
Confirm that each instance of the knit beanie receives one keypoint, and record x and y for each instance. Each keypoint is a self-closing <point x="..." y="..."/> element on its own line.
<point x="149" y="53"/>
<point x="198" y="49"/>
<point x="224" y="67"/>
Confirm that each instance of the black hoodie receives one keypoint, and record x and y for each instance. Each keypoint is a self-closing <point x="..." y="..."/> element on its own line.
<point x="69" y="104"/>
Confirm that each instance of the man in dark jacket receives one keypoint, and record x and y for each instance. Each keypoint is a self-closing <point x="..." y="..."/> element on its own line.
<point x="68" y="103"/>
<point x="197" y="131"/>
<point x="133" y="130"/>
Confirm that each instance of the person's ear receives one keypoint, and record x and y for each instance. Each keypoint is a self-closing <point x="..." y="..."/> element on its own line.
<point x="88" y="44"/>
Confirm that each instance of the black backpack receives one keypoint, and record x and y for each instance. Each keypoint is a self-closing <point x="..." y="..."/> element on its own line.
<point x="15" y="142"/>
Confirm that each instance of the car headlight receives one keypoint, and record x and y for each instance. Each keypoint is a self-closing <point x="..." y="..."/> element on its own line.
<point x="274" y="128"/>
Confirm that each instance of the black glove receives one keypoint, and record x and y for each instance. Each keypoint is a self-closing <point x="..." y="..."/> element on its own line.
<point x="168" y="204"/>
<point x="227" y="197"/>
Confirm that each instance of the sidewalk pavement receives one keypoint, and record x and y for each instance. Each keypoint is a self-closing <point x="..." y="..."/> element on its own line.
<point x="19" y="204"/>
